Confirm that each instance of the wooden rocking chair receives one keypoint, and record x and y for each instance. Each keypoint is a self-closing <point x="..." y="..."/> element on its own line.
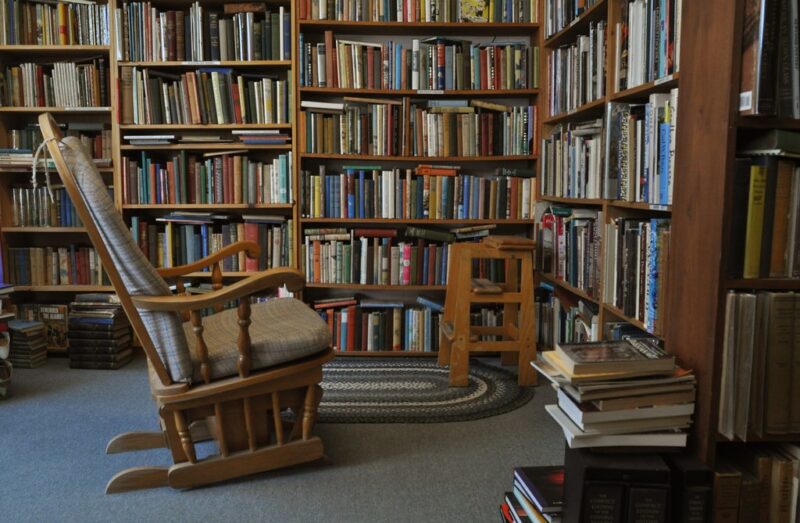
<point x="229" y="385"/>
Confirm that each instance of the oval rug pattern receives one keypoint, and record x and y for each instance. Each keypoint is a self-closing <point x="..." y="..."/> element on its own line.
<point x="414" y="390"/>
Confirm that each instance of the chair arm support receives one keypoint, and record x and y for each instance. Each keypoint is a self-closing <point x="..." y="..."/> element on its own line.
<point x="292" y="278"/>
<point x="251" y="248"/>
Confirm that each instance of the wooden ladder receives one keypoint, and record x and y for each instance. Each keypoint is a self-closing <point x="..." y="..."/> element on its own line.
<point x="458" y="338"/>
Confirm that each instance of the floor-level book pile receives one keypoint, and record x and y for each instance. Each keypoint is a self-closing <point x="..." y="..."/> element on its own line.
<point x="537" y="495"/>
<point x="28" y="344"/>
<point x="99" y="333"/>
<point x="626" y="393"/>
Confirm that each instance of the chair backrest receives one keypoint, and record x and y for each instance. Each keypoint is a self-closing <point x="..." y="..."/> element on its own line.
<point x="130" y="272"/>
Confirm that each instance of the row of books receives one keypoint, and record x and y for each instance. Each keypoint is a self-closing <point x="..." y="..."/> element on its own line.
<point x="97" y="142"/>
<point x="431" y="64"/>
<point x="210" y="95"/>
<point x="577" y="72"/>
<point x="569" y="241"/>
<point x="62" y="84"/>
<point x="42" y="208"/>
<point x="764" y="230"/>
<point x="209" y="179"/>
<point x="71" y="265"/>
<point x="572" y="160"/>
<point x="375" y="256"/>
<point x="37" y="23"/>
<point x="760" y="391"/>
<point x="564" y="318"/>
<point x="641" y="149"/>
<point x="372" y="192"/>
<point x="558" y="14"/>
<point x="625" y="393"/>
<point x="770" y="80"/>
<point x="647" y="42"/>
<point x="366" y="325"/>
<point x="496" y="11"/>
<point x="181" y="238"/>
<point x="636" y="260"/>
<point x="441" y="128"/>
<point x="241" y="32"/>
<point x="537" y="495"/>
<point x="99" y="333"/>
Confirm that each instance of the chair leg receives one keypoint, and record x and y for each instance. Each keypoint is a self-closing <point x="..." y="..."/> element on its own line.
<point x="131" y="441"/>
<point x="138" y="478"/>
<point x="459" y="364"/>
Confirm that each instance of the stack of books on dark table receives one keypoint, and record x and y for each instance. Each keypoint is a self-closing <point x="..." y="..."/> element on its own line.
<point x="626" y="393"/>
<point x="28" y="344"/>
<point x="99" y="333"/>
<point x="538" y="495"/>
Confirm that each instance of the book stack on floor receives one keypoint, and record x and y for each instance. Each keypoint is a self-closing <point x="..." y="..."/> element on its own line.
<point x="538" y="495"/>
<point x="626" y="393"/>
<point x="99" y="333"/>
<point x="28" y="344"/>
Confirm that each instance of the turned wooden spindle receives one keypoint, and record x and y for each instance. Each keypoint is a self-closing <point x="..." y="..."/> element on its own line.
<point x="249" y="424"/>
<point x="201" y="349"/>
<point x="243" y="342"/>
<point x="216" y="281"/>
<point x="276" y="417"/>
<point x="185" y="436"/>
<point x="220" y="428"/>
<point x="313" y="395"/>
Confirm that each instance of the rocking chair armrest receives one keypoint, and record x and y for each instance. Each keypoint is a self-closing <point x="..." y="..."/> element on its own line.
<point x="292" y="278"/>
<point x="252" y="250"/>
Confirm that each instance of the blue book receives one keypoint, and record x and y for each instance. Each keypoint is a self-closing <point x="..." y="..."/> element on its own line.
<point x="476" y="207"/>
<point x="398" y="54"/>
<point x="337" y="198"/>
<point x="303" y="60"/>
<point x="73" y="265"/>
<point x="343" y="330"/>
<point x="646" y="174"/>
<point x="652" y="276"/>
<point x="204" y="240"/>
<point x="362" y="211"/>
<point x="430" y="304"/>
<point x="420" y="190"/>
<point x="443" y="266"/>
<point x="427" y="332"/>
<point x="351" y="197"/>
<point x="463" y="205"/>
<point x="283" y="189"/>
<point x="663" y="163"/>
<point x="425" y="257"/>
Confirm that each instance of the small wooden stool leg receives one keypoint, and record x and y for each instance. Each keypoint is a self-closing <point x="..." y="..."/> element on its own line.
<point x="527" y="340"/>
<point x="459" y="364"/>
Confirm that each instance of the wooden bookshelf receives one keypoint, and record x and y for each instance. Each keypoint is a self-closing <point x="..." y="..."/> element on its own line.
<point x="609" y="13"/>
<point x="403" y="31"/>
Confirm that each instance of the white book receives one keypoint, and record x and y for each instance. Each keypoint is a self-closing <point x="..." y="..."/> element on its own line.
<point x="580" y="416"/>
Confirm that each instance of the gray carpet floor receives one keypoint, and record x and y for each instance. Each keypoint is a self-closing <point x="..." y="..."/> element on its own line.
<point x="54" y="428"/>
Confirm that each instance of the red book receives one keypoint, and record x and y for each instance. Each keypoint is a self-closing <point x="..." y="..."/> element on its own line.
<point x="420" y="257"/>
<point x="351" y="328"/>
<point x="335" y="304"/>
<point x="317" y="246"/>
<point x="337" y="330"/>
<point x="497" y="55"/>
<point x="237" y="108"/>
<point x="153" y="184"/>
<point x="363" y="318"/>
<point x="330" y="323"/>
<point x="331" y="61"/>
<point x="484" y="76"/>
<point x="251" y="234"/>
<point x="513" y="207"/>
<point x="370" y="68"/>
<point x="431" y="265"/>
<point x="490" y="134"/>
<point x="171" y="182"/>
<point x="376" y="233"/>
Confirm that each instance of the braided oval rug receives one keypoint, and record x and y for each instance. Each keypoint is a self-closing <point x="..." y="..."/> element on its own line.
<point x="414" y="390"/>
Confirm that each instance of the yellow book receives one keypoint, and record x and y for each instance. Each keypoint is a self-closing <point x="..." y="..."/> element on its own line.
<point x="755" y="220"/>
<point x="168" y="255"/>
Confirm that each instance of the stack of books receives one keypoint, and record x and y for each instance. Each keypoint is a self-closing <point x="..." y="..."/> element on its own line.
<point x="538" y="495"/>
<point x="99" y="333"/>
<point x="28" y="344"/>
<point x="626" y="393"/>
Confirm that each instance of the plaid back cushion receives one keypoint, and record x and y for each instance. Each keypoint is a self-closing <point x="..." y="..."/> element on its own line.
<point x="138" y="275"/>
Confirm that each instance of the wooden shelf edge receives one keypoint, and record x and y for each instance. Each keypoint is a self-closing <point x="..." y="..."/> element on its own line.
<point x="633" y="321"/>
<point x="777" y="284"/>
<point x="45" y="230"/>
<point x="63" y="288"/>
<point x="384" y="353"/>
<point x="364" y="157"/>
<point x="578" y="113"/>
<point x="576" y="25"/>
<point x="640" y="91"/>
<point x="421" y="92"/>
<point x="369" y="287"/>
<point x="418" y="221"/>
<point x="206" y="206"/>
<point x="569" y="288"/>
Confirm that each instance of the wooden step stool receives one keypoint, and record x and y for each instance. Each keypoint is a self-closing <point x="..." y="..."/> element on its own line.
<point x="458" y="338"/>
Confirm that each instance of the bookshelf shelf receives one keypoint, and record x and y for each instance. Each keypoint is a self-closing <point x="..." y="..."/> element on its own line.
<point x="767" y="122"/>
<point x="337" y="91"/>
<point x="26" y="169"/>
<point x="639" y="92"/>
<point x="207" y="206"/>
<point x="789" y="284"/>
<point x="585" y="111"/>
<point x="63" y="288"/>
<point x="640" y="206"/>
<point x="596" y="12"/>
<point x="54" y="49"/>
<point x="633" y="321"/>
<point x="57" y="110"/>
<point x="572" y="201"/>
<point x="362" y="157"/>
<point x="360" y="287"/>
<point x="384" y="353"/>
<point x="411" y="221"/>
<point x="218" y="63"/>
<point x="569" y="288"/>
<point x="418" y="28"/>
<point x="45" y="230"/>
<point x="205" y="147"/>
<point x="202" y="127"/>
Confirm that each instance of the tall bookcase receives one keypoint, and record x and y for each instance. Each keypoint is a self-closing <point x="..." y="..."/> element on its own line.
<point x="26" y="233"/>
<point x="702" y="224"/>
<point x="373" y="31"/>
<point x="586" y="114"/>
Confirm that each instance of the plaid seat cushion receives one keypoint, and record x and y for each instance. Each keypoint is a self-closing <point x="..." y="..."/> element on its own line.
<point x="282" y="330"/>
<point x="138" y="275"/>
